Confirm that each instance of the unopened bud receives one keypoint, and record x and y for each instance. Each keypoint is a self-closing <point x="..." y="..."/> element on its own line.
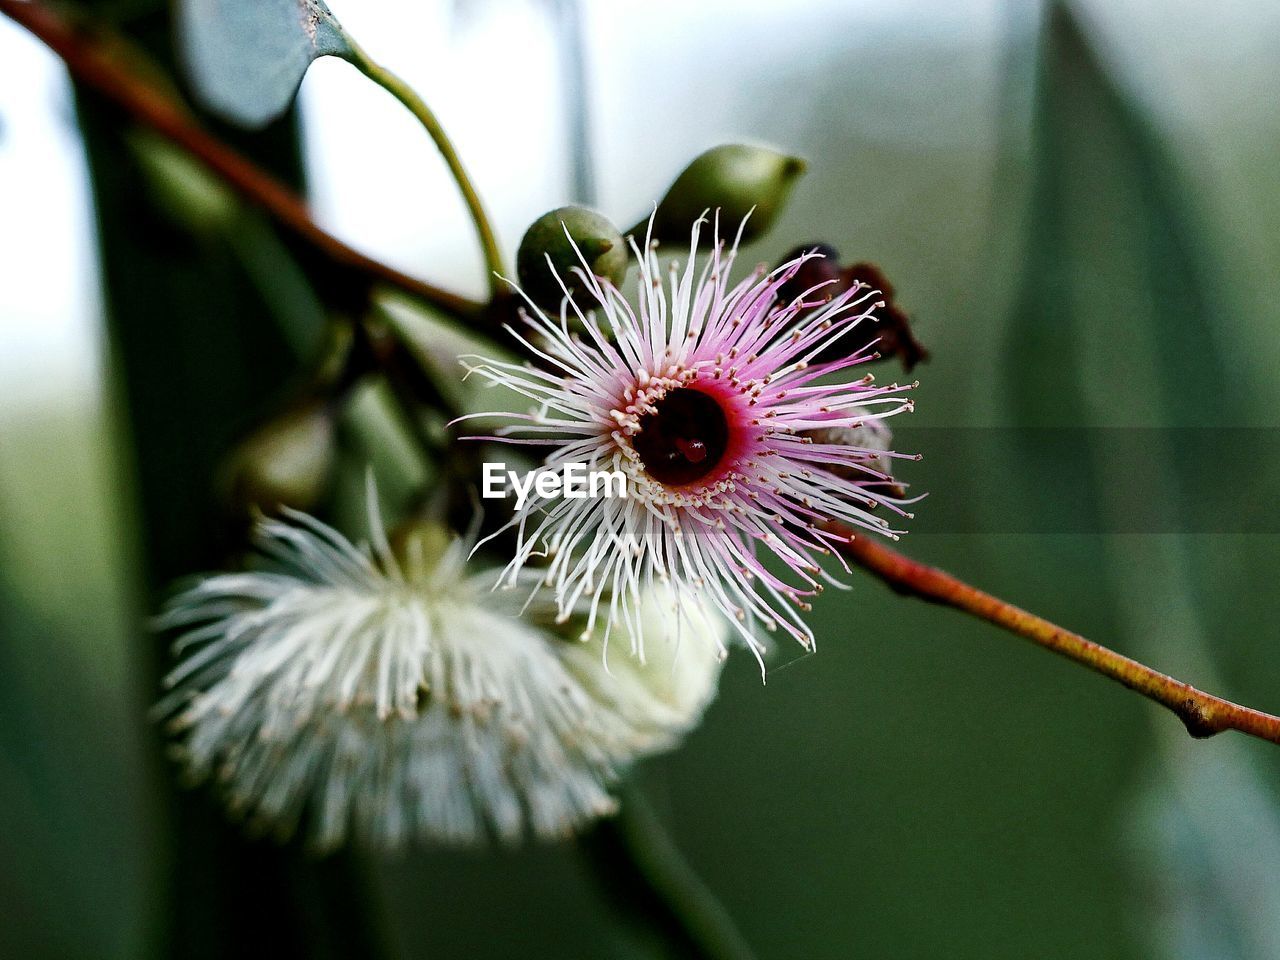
<point x="546" y="252"/>
<point x="285" y="462"/>
<point x="735" y="179"/>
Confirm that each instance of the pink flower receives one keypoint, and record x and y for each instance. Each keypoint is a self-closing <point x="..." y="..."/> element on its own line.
<point x="706" y="398"/>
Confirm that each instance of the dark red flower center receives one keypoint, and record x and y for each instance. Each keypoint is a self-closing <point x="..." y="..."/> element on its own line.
<point x="684" y="439"/>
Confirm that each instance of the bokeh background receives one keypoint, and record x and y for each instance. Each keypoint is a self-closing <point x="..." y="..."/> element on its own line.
<point x="1079" y="204"/>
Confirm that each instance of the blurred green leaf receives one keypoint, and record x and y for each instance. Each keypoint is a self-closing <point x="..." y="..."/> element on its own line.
<point x="79" y="817"/>
<point x="1118" y="326"/>
<point x="1207" y="835"/>
<point x="245" y="60"/>
<point x="184" y="189"/>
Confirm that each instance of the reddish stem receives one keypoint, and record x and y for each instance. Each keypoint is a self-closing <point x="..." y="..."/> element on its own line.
<point x="1203" y="714"/>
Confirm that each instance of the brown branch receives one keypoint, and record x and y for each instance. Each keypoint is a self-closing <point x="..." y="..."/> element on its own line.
<point x="1203" y="714"/>
<point x="91" y="62"/>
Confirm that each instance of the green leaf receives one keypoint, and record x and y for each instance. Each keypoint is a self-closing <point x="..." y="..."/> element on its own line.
<point x="246" y="58"/>
<point x="1121" y="322"/>
<point x="81" y="868"/>
<point x="1206" y="836"/>
<point x="181" y="187"/>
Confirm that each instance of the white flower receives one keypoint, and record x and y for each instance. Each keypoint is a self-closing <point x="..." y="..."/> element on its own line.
<point x="663" y="694"/>
<point x="706" y="396"/>
<point x="397" y="695"/>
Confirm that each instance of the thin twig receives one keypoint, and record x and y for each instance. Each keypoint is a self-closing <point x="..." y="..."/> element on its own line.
<point x="409" y="98"/>
<point x="91" y="62"/>
<point x="1203" y="714"/>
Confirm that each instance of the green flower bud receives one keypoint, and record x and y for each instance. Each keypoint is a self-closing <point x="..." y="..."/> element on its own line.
<point x="735" y="179"/>
<point x="285" y="462"/>
<point x="599" y="241"/>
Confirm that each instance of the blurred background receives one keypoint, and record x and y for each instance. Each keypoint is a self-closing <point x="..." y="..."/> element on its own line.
<point x="1078" y="203"/>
